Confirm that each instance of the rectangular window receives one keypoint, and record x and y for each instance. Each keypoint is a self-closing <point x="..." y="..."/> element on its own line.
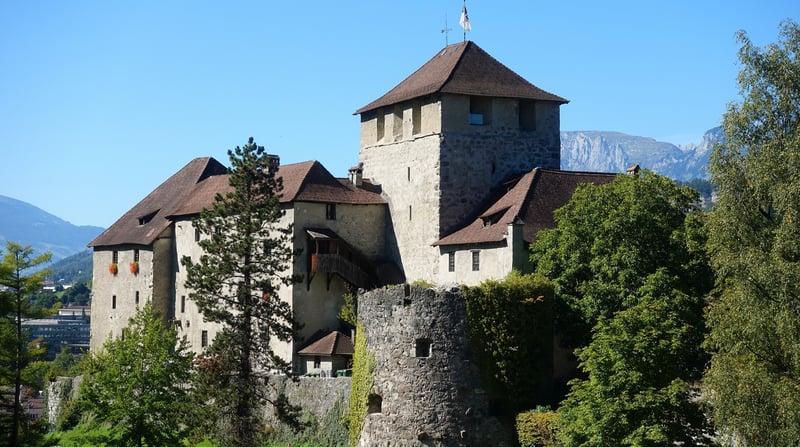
<point x="330" y="211"/>
<point x="409" y="212"/>
<point x="408" y="173"/>
<point x="476" y="261"/>
<point x="136" y="255"/>
<point x="527" y="114"/>
<point x="416" y="118"/>
<point x="113" y="301"/>
<point x="115" y="257"/>
<point x="317" y="362"/>
<point x="136" y="299"/>
<point x="204" y="339"/>
<point x="451" y="261"/>
<point x="381" y="122"/>
<point x="183" y="303"/>
<point x="197" y="235"/>
<point x="397" y="123"/>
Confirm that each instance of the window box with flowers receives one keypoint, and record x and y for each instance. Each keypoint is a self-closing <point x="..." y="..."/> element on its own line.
<point x="135" y="267"/>
<point x="112" y="268"/>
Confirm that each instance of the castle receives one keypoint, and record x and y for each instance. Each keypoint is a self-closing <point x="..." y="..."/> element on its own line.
<point x="458" y="169"/>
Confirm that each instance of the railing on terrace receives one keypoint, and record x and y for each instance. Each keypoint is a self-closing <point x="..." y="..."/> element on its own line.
<point x="333" y="263"/>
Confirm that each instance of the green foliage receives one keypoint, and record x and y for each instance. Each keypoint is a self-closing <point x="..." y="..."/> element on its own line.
<point x="640" y="364"/>
<point x="423" y="283"/>
<point x="610" y="238"/>
<point x="537" y="429"/>
<point x="17" y="353"/>
<point x="72" y="269"/>
<point x="246" y="254"/>
<point x="754" y="379"/>
<point x="134" y="388"/>
<point x="349" y="311"/>
<point x="627" y="259"/>
<point x="361" y="385"/>
<point x="511" y="332"/>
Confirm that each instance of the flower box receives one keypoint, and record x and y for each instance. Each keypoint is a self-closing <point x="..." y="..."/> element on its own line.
<point x="134" y="268"/>
<point x="112" y="268"/>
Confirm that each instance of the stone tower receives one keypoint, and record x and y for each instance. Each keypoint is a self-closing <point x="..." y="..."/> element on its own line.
<point x="443" y="141"/>
<point x="427" y="389"/>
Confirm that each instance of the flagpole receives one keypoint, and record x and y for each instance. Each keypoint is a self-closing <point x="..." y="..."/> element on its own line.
<point x="464" y="21"/>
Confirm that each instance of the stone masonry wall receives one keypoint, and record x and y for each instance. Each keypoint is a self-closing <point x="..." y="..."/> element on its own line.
<point x="427" y="391"/>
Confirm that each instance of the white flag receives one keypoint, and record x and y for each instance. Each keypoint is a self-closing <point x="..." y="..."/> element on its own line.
<point x="464" y="22"/>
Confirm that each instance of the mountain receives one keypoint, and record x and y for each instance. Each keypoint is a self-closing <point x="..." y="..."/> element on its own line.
<point x="72" y="269"/>
<point x="605" y="151"/>
<point x="28" y="225"/>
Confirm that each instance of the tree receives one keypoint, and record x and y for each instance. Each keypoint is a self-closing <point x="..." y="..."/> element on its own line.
<point x="754" y="377"/>
<point x="16" y="352"/>
<point x="627" y="259"/>
<point x="247" y="254"/>
<point x="134" y="389"/>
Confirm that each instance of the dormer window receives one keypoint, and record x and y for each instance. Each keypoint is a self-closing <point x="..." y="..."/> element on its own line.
<point x="147" y="218"/>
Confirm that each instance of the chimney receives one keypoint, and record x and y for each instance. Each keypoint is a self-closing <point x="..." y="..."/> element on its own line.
<point x="356" y="174"/>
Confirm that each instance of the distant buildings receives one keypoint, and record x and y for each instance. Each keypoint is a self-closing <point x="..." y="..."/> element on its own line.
<point x="69" y="328"/>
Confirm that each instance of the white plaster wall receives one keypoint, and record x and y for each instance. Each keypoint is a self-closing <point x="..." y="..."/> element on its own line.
<point x="106" y="321"/>
<point x="495" y="263"/>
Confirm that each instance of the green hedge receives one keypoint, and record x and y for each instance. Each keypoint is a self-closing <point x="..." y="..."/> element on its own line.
<point x="537" y="429"/>
<point x="363" y="378"/>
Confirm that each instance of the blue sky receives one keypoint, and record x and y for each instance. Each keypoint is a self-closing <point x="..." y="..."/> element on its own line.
<point x="101" y="101"/>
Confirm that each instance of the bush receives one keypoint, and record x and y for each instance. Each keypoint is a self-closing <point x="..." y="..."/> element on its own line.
<point x="537" y="429"/>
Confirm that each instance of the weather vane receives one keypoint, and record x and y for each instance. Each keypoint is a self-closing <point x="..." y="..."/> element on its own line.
<point x="446" y="30"/>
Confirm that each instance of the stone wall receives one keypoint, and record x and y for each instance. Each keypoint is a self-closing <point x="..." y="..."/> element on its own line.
<point x="57" y="393"/>
<point x="427" y="390"/>
<point x="316" y="396"/>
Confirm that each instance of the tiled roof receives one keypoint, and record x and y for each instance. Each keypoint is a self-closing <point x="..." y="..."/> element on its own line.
<point x="465" y="69"/>
<point x="531" y="201"/>
<point x="307" y="181"/>
<point x="333" y="343"/>
<point x="148" y="218"/>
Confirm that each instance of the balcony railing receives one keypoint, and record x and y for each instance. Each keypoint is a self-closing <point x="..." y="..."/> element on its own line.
<point x="333" y="263"/>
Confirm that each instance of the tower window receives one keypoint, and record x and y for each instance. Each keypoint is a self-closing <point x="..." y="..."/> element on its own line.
<point x="183" y="303"/>
<point x="380" y="120"/>
<point x="476" y="261"/>
<point x="113" y="301"/>
<point x="136" y="299"/>
<point x="330" y="211"/>
<point x="416" y="118"/>
<point x="409" y="212"/>
<point x="451" y="261"/>
<point x="115" y="257"/>
<point x="196" y="234"/>
<point x="204" y="339"/>
<point x="422" y="348"/>
<point x="136" y="255"/>
<point x="527" y="115"/>
<point x="317" y="362"/>
<point x="480" y="111"/>
<point x="397" y="124"/>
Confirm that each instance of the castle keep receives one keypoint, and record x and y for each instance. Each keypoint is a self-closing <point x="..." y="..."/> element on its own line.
<point x="458" y="169"/>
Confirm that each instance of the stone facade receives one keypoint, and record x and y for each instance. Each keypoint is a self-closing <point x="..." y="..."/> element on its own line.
<point x="427" y="390"/>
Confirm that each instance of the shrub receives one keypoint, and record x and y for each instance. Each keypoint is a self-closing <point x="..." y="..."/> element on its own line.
<point x="537" y="429"/>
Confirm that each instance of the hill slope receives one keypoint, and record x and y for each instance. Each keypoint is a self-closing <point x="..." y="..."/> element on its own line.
<point x="28" y="225"/>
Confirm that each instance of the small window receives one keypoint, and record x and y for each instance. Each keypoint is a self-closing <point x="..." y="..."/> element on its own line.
<point x="136" y="255"/>
<point x="397" y="122"/>
<point x="408" y="173"/>
<point x="204" y="339"/>
<point x="422" y="348"/>
<point x="317" y="362"/>
<point x="380" y="120"/>
<point x="374" y="404"/>
<point x="451" y="261"/>
<point x="197" y="235"/>
<point x="330" y="211"/>
<point x="476" y="261"/>
<point x="113" y="301"/>
<point x="409" y="212"/>
<point x="115" y="257"/>
<point x="183" y="303"/>
<point x="136" y="299"/>
<point x="416" y="118"/>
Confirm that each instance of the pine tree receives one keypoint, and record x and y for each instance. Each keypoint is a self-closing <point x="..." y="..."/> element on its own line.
<point x="16" y="353"/>
<point x="247" y="255"/>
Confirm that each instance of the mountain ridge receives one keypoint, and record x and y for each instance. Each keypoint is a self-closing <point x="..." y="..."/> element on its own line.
<point x="611" y="151"/>
<point x="27" y="224"/>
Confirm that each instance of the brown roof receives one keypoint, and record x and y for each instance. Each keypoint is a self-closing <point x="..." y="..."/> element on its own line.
<point x="333" y="343"/>
<point x="531" y="201"/>
<point x="148" y="218"/>
<point x="465" y="69"/>
<point x="307" y="181"/>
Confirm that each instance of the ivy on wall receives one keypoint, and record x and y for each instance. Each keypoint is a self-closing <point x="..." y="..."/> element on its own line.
<point x="363" y="379"/>
<point x="510" y="326"/>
